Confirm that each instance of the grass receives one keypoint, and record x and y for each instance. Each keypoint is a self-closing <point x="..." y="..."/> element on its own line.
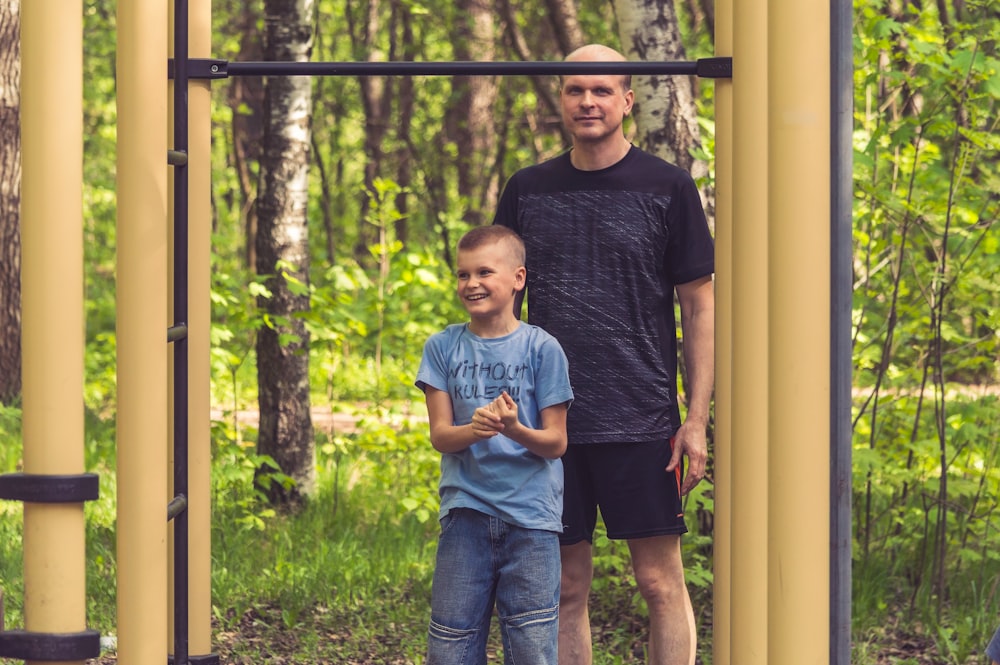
<point x="344" y="580"/>
<point x="347" y="578"/>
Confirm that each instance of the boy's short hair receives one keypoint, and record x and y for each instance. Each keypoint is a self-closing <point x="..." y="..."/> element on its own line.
<point x="484" y="235"/>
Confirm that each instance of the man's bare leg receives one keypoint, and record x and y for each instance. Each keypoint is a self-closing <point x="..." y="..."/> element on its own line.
<point x="659" y="574"/>
<point x="574" y="611"/>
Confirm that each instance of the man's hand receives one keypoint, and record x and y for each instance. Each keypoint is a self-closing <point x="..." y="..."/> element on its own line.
<point x="690" y="441"/>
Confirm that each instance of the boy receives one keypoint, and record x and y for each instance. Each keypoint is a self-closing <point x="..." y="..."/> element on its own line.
<point x="497" y="392"/>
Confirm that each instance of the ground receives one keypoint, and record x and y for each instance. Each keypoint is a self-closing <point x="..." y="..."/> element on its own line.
<point x="255" y="641"/>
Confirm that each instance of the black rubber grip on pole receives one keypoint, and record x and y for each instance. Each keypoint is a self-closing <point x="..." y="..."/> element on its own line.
<point x="46" y="488"/>
<point x="24" y="645"/>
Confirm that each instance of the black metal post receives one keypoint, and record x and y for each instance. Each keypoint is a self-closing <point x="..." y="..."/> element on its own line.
<point x="841" y="125"/>
<point x="180" y="302"/>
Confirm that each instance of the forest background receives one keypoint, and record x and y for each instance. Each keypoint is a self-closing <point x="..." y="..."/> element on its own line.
<point x="323" y="529"/>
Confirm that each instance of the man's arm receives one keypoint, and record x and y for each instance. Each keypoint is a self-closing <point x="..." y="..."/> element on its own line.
<point x="697" y="301"/>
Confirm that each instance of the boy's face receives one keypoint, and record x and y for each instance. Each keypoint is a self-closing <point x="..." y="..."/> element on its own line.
<point x="488" y="279"/>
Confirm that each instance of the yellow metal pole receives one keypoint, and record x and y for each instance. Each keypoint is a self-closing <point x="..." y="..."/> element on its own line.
<point x="723" y="488"/>
<point x="749" y="616"/>
<point x="798" y="409"/>
<point x="142" y="332"/>
<point x="52" y="307"/>
<point x="199" y="345"/>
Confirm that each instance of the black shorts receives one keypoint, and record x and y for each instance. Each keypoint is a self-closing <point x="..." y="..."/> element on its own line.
<point x="627" y="481"/>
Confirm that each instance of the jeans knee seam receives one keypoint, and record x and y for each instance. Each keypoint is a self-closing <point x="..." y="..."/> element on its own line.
<point x="449" y="633"/>
<point x="537" y="616"/>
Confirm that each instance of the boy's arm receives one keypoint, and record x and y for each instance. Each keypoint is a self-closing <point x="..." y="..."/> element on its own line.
<point x="549" y="441"/>
<point x="446" y="436"/>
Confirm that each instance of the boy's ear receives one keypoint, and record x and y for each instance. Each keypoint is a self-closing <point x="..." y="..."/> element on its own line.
<point x="520" y="276"/>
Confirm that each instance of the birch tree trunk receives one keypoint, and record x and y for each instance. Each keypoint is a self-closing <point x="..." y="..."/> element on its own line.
<point x="286" y="432"/>
<point x="10" y="201"/>
<point x="665" y="111"/>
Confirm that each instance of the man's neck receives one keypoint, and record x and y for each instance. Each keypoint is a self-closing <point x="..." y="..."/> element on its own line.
<point x="596" y="156"/>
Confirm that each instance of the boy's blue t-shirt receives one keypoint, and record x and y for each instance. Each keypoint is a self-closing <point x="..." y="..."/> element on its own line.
<point x="498" y="476"/>
<point x="993" y="648"/>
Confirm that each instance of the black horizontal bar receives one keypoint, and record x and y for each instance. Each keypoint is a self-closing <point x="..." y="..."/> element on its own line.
<point x="59" y="647"/>
<point x="177" y="333"/>
<point x="177" y="505"/>
<point x="203" y="68"/>
<point x="45" y="488"/>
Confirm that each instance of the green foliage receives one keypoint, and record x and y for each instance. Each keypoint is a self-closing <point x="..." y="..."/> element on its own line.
<point x="354" y="557"/>
<point x="925" y="432"/>
<point x="11" y="523"/>
<point x="374" y="320"/>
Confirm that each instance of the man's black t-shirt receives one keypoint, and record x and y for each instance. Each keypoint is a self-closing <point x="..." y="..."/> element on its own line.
<point x="604" y="252"/>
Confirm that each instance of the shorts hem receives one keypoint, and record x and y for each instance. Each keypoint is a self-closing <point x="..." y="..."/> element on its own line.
<point x="651" y="533"/>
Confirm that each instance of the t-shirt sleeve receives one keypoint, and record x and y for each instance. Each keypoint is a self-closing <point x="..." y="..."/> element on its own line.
<point x="506" y="213"/>
<point x="993" y="650"/>
<point x="432" y="371"/>
<point x="691" y="250"/>
<point x="552" y="372"/>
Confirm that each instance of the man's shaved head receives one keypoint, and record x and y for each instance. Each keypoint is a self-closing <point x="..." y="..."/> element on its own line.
<point x="600" y="53"/>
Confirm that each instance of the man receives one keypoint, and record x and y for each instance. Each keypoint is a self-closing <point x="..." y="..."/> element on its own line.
<point x="611" y="234"/>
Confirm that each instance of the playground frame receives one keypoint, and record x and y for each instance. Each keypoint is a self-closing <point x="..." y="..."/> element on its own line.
<point x="783" y="124"/>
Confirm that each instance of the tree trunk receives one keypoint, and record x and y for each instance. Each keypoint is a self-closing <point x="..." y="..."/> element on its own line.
<point x="469" y="119"/>
<point x="376" y="99"/>
<point x="286" y="432"/>
<point x="666" y="115"/>
<point x="246" y="99"/>
<point x="544" y="88"/>
<point x="407" y="97"/>
<point x="10" y="202"/>
<point x="565" y="24"/>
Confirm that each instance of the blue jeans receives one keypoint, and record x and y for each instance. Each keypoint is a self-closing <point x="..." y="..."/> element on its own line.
<point x="482" y="561"/>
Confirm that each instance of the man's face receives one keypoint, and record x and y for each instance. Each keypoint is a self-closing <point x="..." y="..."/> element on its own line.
<point x="594" y="106"/>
